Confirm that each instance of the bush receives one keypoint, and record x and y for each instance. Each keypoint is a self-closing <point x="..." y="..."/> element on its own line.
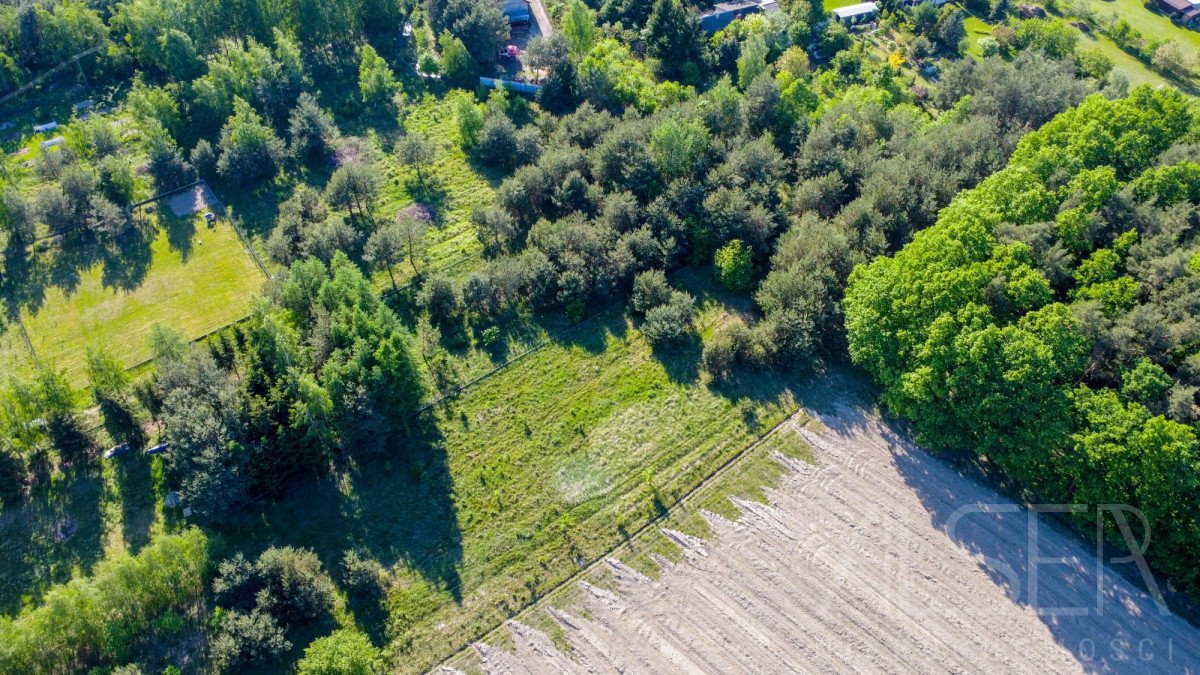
<point x="295" y="585"/>
<point x="93" y="620"/>
<point x="669" y="322"/>
<point x="734" y="266"/>
<point x="245" y="639"/>
<point x="363" y="574"/>
<point x="439" y="296"/>
<point x="650" y="289"/>
<point x="204" y="159"/>
<point x="343" y="652"/>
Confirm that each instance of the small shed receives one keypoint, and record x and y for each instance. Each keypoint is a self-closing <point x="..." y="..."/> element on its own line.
<point x="517" y="12"/>
<point x="724" y="13"/>
<point x="51" y="142"/>
<point x="42" y="128"/>
<point x="855" y="14"/>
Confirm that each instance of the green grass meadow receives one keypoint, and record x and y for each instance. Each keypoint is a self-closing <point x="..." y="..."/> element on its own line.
<point x="185" y="275"/>
<point x="525" y="478"/>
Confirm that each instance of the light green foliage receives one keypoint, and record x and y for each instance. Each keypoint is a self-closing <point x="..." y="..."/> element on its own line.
<point x="752" y="61"/>
<point x="579" y="27"/>
<point x="94" y="620"/>
<point x="1052" y="36"/>
<point x="375" y="78"/>
<point x="458" y="67"/>
<point x="970" y="341"/>
<point x="678" y="146"/>
<point x="343" y="652"/>
<point x="735" y="266"/>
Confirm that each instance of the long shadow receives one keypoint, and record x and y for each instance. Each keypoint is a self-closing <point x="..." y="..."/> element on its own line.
<point x="400" y="509"/>
<point x="180" y="231"/>
<point x="137" y="499"/>
<point x="57" y="530"/>
<point x="1092" y="608"/>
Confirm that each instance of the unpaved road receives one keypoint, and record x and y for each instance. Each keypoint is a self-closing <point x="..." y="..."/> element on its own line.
<point x="876" y="559"/>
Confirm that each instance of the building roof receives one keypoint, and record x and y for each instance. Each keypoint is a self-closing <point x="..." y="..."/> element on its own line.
<point x="1176" y="5"/>
<point x="516" y="10"/>
<point x="856" y="10"/>
<point x="723" y="13"/>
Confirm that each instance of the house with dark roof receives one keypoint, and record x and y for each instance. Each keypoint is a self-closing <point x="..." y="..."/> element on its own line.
<point x="724" y="13"/>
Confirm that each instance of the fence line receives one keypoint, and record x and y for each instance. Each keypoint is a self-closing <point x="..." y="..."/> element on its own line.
<point x="35" y="81"/>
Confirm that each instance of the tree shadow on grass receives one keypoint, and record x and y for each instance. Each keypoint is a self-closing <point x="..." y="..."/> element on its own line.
<point x="400" y="509"/>
<point x="57" y="530"/>
<point x="681" y="359"/>
<point x="137" y="496"/>
<point x="180" y="232"/>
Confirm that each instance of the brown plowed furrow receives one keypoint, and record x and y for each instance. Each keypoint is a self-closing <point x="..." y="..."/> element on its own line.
<point x="877" y="559"/>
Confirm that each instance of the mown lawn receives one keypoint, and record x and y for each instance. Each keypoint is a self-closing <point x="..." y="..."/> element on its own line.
<point x="1152" y="25"/>
<point x="526" y="477"/>
<point x="189" y="277"/>
<point x="14" y="355"/>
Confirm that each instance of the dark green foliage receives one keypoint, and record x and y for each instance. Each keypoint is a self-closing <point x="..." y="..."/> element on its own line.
<point x="650" y="289"/>
<point x="671" y="320"/>
<point x="245" y="639"/>
<point x="250" y="150"/>
<point x="994" y="359"/>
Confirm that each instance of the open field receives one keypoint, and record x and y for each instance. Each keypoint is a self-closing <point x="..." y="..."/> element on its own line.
<point x="524" y="478"/>
<point x="1148" y="23"/>
<point x="866" y="561"/>
<point x="189" y="277"/>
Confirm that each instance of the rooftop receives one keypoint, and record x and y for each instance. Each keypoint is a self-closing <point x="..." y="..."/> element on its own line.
<point x="856" y="10"/>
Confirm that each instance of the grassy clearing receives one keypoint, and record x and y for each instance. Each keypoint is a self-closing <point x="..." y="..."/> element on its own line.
<point x="14" y="354"/>
<point x="1135" y="70"/>
<point x="189" y="277"/>
<point x="526" y="477"/>
<point x="453" y="188"/>
<point x="1150" y="24"/>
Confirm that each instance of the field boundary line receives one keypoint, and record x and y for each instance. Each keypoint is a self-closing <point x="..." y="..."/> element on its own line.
<point x="673" y="508"/>
<point x="26" y="339"/>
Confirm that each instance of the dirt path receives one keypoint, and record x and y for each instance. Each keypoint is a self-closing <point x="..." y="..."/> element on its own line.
<point x="866" y="562"/>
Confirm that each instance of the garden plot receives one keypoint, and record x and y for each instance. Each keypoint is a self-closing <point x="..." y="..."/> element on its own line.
<point x="190" y="276"/>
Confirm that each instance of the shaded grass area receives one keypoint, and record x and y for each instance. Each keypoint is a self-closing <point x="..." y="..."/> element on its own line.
<point x="73" y="520"/>
<point x="526" y="477"/>
<point x="189" y="277"/>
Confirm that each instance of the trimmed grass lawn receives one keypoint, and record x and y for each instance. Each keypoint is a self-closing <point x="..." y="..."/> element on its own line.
<point x="831" y="5"/>
<point x="525" y="478"/>
<point x="1152" y="25"/>
<point x="14" y="355"/>
<point x="189" y="277"/>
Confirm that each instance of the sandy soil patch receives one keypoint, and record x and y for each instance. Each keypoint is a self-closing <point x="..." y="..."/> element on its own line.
<point x="199" y="198"/>
<point x="880" y="558"/>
